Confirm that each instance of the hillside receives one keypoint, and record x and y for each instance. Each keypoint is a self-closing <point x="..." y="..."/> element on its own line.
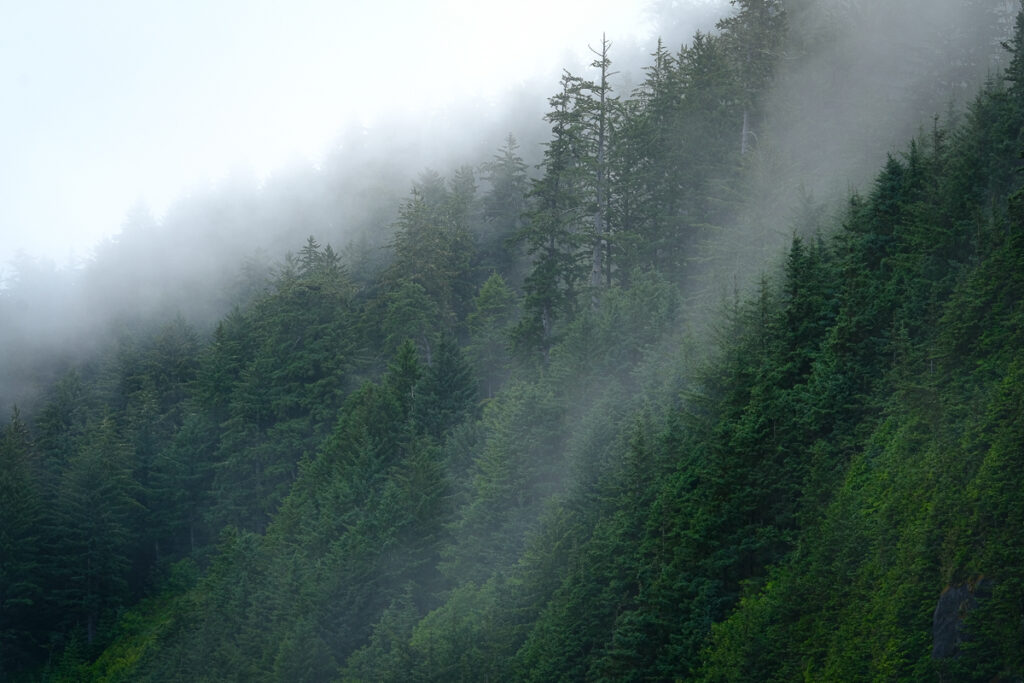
<point x="632" y="416"/>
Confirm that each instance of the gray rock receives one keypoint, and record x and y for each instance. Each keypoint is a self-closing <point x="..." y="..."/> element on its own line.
<point x="948" y="628"/>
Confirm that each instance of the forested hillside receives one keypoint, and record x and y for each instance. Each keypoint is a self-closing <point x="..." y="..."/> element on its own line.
<point x="584" y="421"/>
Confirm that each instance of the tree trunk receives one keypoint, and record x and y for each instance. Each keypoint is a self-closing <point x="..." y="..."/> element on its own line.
<point x="746" y="133"/>
<point x="601" y="177"/>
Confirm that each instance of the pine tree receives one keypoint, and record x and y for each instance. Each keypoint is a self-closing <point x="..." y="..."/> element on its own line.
<point x="599" y="109"/>
<point x="433" y="244"/>
<point x="1015" y="46"/>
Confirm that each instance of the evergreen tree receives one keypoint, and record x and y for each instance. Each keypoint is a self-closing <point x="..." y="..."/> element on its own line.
<point x="22" y="571"/>
<point x="95" y="509"/>
<point x="180" y="483"/>
<point x="755" y="34"/>
<point x="411" y="314"/>
<point x="599" y="119"/>
<point x="446" y="394"/>
<point x="504" y="208"/>
<point x="554" y="232"/>
<point x="433" y="243"/>
<point x="490" y="325"/>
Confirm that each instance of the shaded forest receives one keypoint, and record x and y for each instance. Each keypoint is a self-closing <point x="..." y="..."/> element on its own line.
<point x="660" y="406"/>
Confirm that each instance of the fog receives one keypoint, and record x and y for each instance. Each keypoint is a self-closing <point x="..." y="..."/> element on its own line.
<point x="517" y="396"/>
<point x="139" y="184"/>
<point x="152" y="151"/>
<point x="878" y="73"/>
<point x="871" y="76"/>
<point x="113" y="103"/>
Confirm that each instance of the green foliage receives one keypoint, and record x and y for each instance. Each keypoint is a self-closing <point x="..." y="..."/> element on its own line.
<point x="433" y="245"/>
<point x="489" y="324"/>
<point x="21" y="520"/>
<point x="96" y="501"/>
<point x="446" y="394"/>
<point x="790" y="502"/>
<point x="274" y="379"/>
<point x="504" y="205"/>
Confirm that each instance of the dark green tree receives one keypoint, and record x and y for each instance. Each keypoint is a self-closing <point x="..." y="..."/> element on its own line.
<point x="554" y="233"/>
<point x="96" y="506"/>
<point x="446" y="394"/>
<point x="22" y="568"/>
<point x="433" y="244"/>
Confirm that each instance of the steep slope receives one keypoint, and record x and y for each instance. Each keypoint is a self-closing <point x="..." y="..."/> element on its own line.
<point x="464" y="465"/>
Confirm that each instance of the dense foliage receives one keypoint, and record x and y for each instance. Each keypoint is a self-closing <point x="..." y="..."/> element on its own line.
<point x="515" y="451"/>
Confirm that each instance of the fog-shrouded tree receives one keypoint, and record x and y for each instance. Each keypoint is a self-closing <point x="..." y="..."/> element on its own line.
<point x="819" y="478"/>
<point x="490" y="324"/>
<point x="504" y="205"/>
<point x="755" y="34"/>
<point x="554" y="235"/>
<point x="599" y="108"/>
<point x="433" y="243"/>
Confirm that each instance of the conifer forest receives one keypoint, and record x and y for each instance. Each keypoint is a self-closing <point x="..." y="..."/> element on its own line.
<point x="722" y="379"/>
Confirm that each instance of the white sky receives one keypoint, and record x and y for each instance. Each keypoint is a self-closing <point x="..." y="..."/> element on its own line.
<point x="106" y="103"/>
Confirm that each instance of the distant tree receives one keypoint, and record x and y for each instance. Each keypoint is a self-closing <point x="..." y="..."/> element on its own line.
<point x="411" y="314"/>
<point x="180" y="482"/>
<point x="433" y="244"/>
<point x="504" y="208"/>
<point x="596" y="112"/>
<point x="60" y="425"/>
<point x="1015" y="46"/>
<point x="755" y="35"/>
<point x="490" y="324"/>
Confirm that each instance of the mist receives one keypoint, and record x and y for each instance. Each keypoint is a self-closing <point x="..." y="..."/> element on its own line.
<point x="869" y="77"/>
<point x="195" y="253"/>
<point x="817" y="139"/>
<point x="905" y="63"/>
<point x="555" y="373"/>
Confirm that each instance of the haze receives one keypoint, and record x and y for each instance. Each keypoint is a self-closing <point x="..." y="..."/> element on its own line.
<point x="110" y="104"/>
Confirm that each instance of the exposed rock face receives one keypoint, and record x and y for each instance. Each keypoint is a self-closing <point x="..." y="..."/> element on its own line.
<point x="948" y="627"/>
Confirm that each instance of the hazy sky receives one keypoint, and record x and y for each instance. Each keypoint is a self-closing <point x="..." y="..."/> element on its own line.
<point x="108" y="103"/>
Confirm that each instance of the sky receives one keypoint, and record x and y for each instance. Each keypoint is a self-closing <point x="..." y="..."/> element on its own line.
<point x="109" y="104"/>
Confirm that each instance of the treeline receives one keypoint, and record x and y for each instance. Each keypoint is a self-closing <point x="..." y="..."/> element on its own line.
<point x="506" y="454"/>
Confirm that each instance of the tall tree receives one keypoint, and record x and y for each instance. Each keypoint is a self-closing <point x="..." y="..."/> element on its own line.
<point x="553" y="235"/>
<point x="433" y="244"/>
<point x="755" y="35"/>
<point x="446" y="394"/>
<point x="599" y="108"/>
